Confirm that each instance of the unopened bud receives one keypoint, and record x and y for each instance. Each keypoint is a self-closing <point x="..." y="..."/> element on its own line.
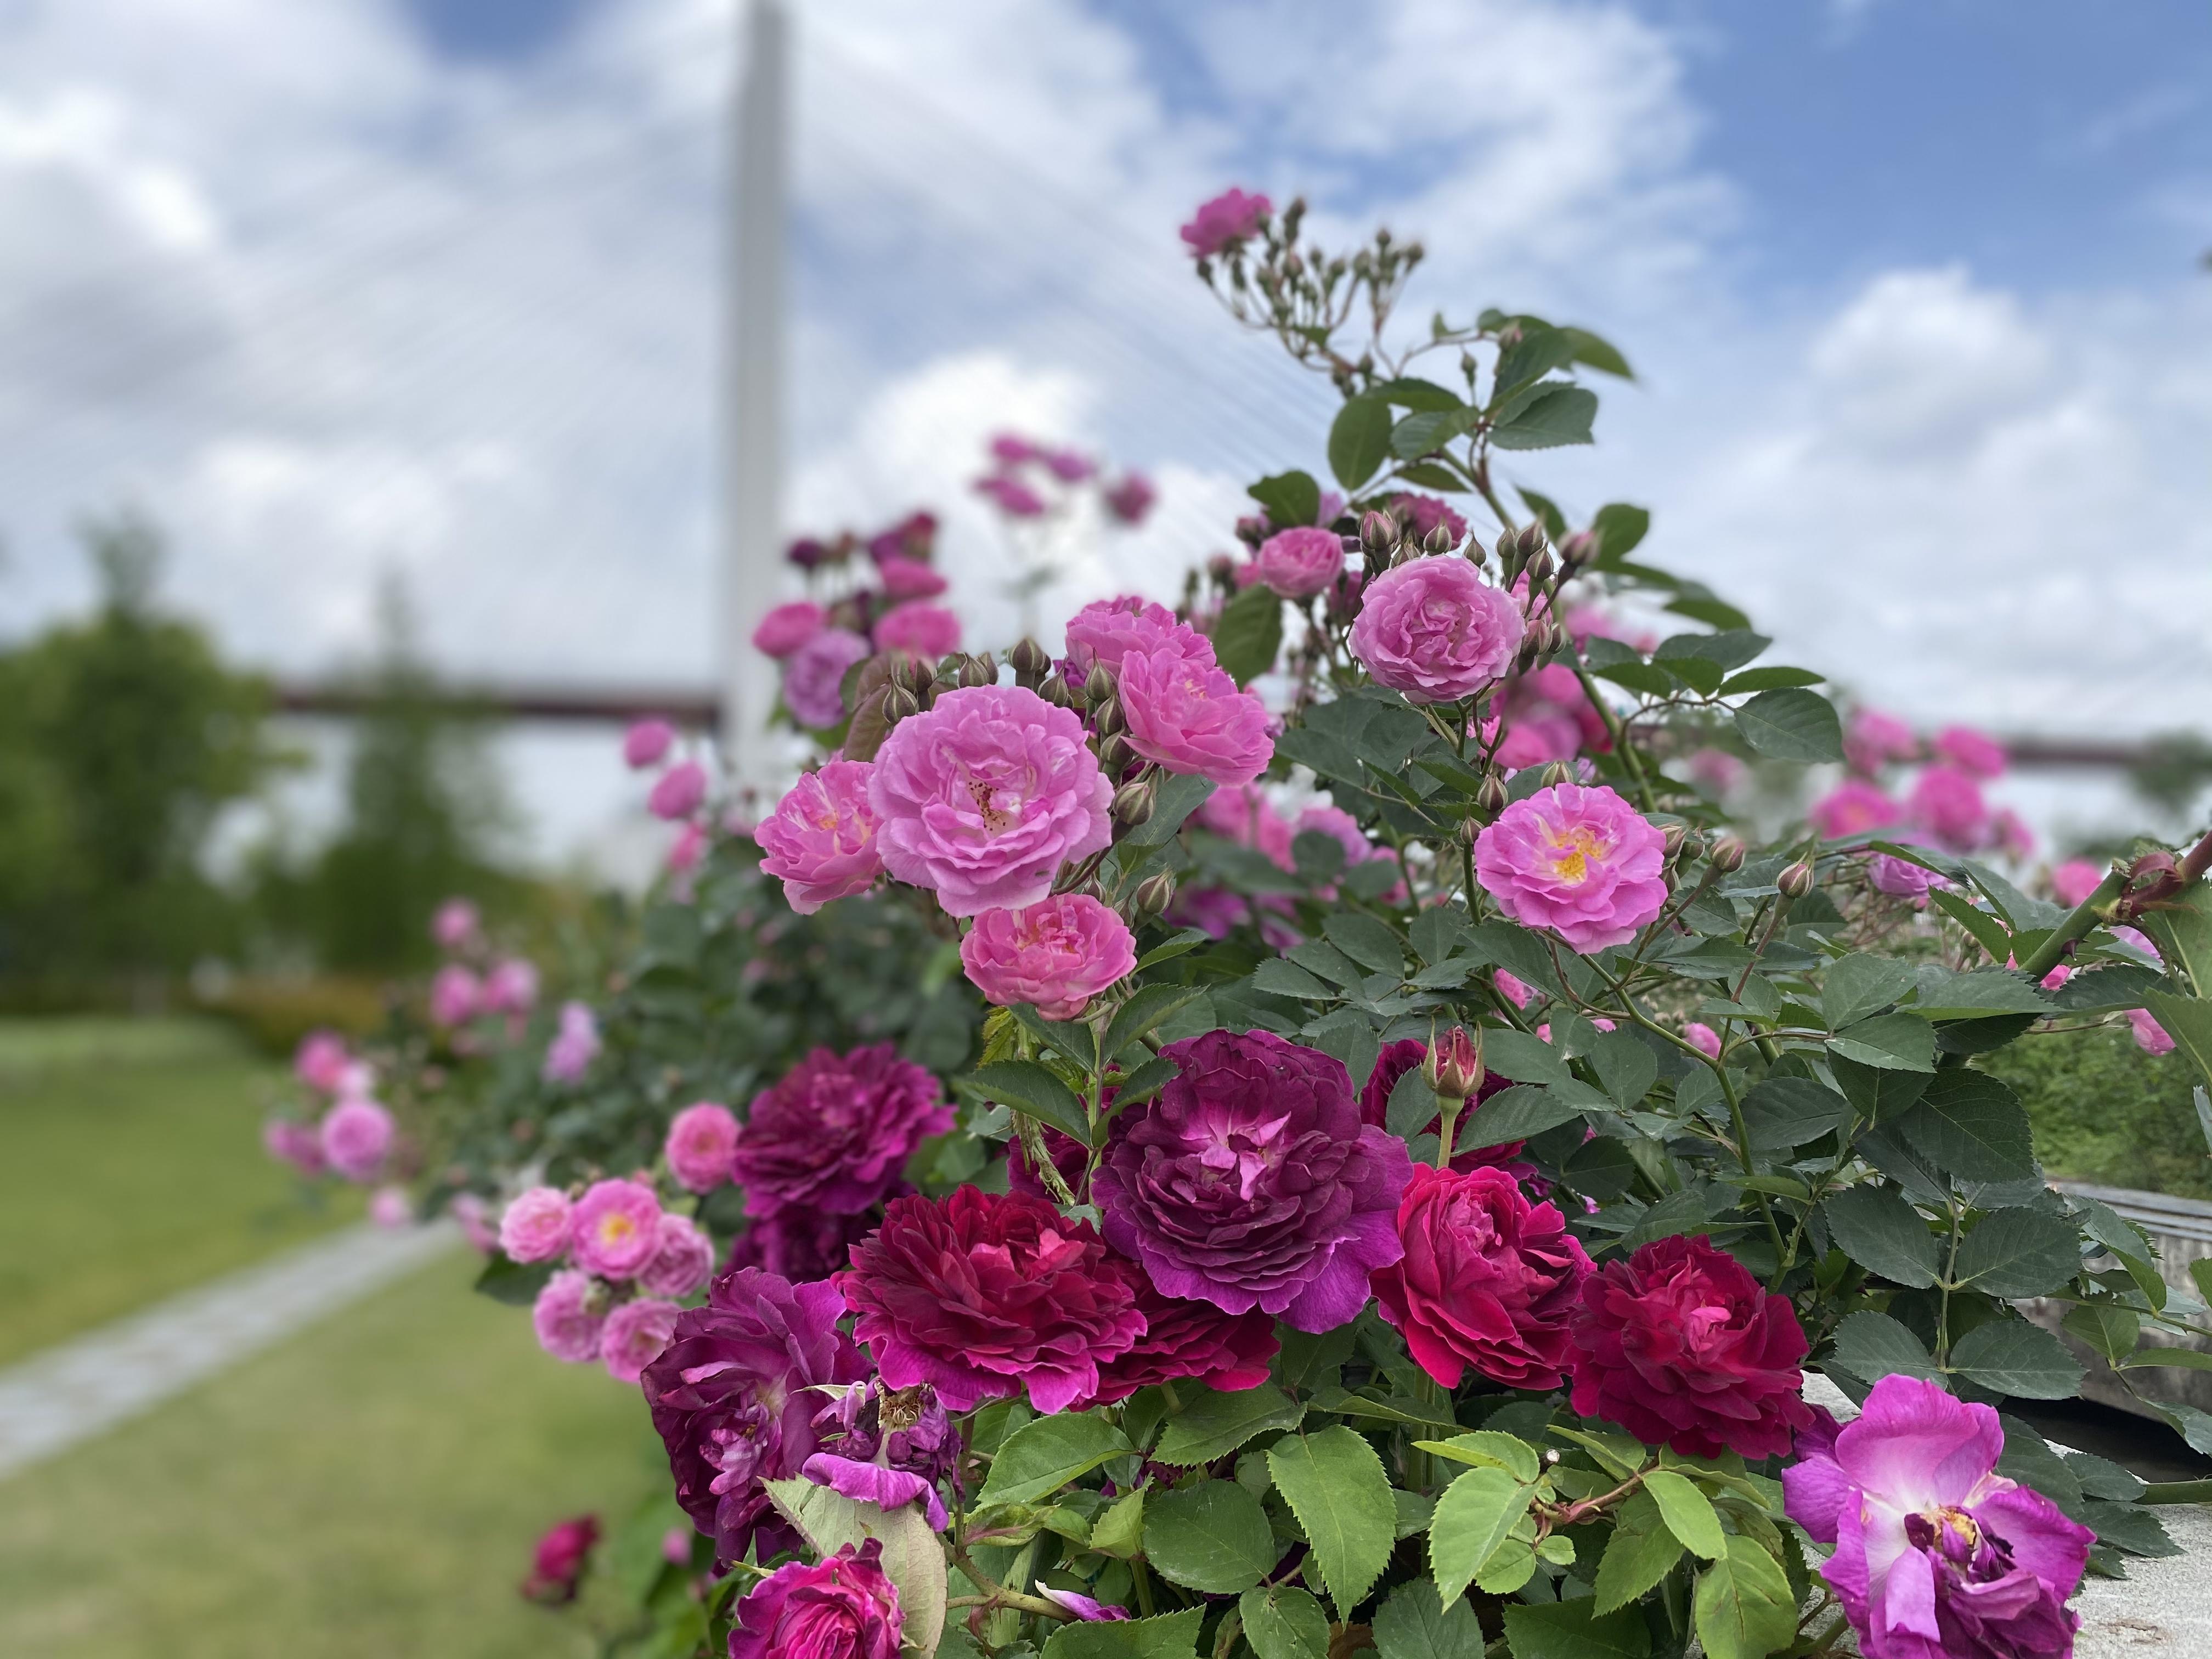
<point x="1795" y="880"/>
<point x="1438" y="540"/>
<point x="1132" y="804"/>
<point x="1378" y="531"/>
<point x="1098" y="684"/>
<point x="1114" y="755"/>
<point x="908" y="671"/>
<point x="1155" y="894"/>
<point x="1252" y="530"/>
<point x="1577" y="551"/>
<point x="1671" y="839"/>
<point x="1532" y="647"/>
<point x="1030" y="661"/>
<point x="1453" y="1066"/>
<point x="1054" y="692"/>
<point x="1540" y="567"/>
<point x="1726" y="855"/>
<point x="1107" y="718"/>
<point x="1556" y="773"/>
<point x="899" y="702"/>
<point x="1532" y="539"/>
<point x="2152" y="881"/>
<point x="1490" y="796"/>
<point x="977" y="671"/>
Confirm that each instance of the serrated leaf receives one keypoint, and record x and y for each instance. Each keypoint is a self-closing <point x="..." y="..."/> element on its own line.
<point x="1523" y="1058"/>
<point x="1488" y="1448"/>
<point x="2188" y="1021"/>
<point x="1524" y="1111"/>
<point x="1145" y="1012"/>
<point x="1626" y="1068"/>
<point x="2013" y="1253"/>
<point x="1284" y="1622"/>
<point x="1411" y="1106"/>
<point x="1426" y="431"/>
<point x="1553" y="416"/>
<point x="1688" y="1513"/>
<point x="1743" y="1605"/>
<point x="912" y="1557"/>
<point x="1284" y="978"/>
<point x="2113" y="1332"/>
<point x="1216" y="1423"/>
<point x="1290" y="498"/>
<point x="1213" y="1537"/>
<point x="1359" y="439"/>
<point x="1640" y="1553"/>
<point x="1046" y="1454"/>
<point x="1972" y="1126"/>
<point x="1471" y="1521"/>
<point x="1335" y="1484"/>
<point x="1858" y="986"/>
<point x="1414" y="1624"/>
<point x="1600" y="354"/>
<point x="1120" y="1531"/>
<point x="1877" y="1227"/>
<point x="1248" y="633"/>
<point x="1178" y="796"/>
<point x="1792" y="725"/>
<point x="1366" y="940"/>
<point x="1774" y="678"/>
<point x="1142" y="1082"/>
<point x="1170" y="1636"/>
<point x="2010" y="1356"/>
<point x="1891" y="1042"/>
<point x="1575" y="1630"/>
<point x="1873" y="1345"/>
<point x="1031" y="1087"/>
<point x="1944" y="995"/>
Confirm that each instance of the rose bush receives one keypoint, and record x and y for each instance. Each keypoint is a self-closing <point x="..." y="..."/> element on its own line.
<point x="1411" y="1148"/>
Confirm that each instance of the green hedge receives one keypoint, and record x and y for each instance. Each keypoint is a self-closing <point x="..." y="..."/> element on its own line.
<point x="2105" y="1111"/>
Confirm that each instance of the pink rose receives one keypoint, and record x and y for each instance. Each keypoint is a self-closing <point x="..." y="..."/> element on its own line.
<point x="294" y="1144"/>
<point x="575" y="1045"/>
<point x="1949" y="804"/>
<point x="2008" y="832"/>
<point x="1581" y="862"/>
<point x="983" y="796"/>
<point x="683" y="1261"/>
<point x="321" y="1059"/>
<point x="615" y="1228"/>
<point x="390" y="1207"/>
<point x="2075" y="880"/>
<point x="1130" y="498"/>
<point x="908" y="579"/>
<point x="1873" y="739"/>
<point x="355" y="1136"/>
<point x="1068" y="465"/>
<point x="1512" y="988"/>
<point x="1434" y="630"/>
<point x="1977" y="754"/>
<point x="701" y="1139"/>
<point x="1190" y="717"/>
<point x="1058" y="953"/>
<point x="1900" y="877"/>
<point x="820" y="841"/>
<point x="1300" y="563"/>
<point x="511" y="987"/>
<point x="1012" y="449"/>
<point x="455" y="995"/>
<point x="679" y="791"/>
<point x="1423" y="513"/>
<point x="1011" y="496"/>
<point x="1852" y="808"/>
<point x="454" y="925"/>
<point x="787" y="627"/>
<point x="1107" y="630"/>
<point x="924" y="630"/>
<point x="568" y="1315"/>
<point x="1702" y="1038"/>
<point x="474" y="1216"/>
<point x="1231" y="217"/>
<point x="1715" y="769"/>
<point x="534" y="1227"/>
<point x="1247" y="817"/>
<point x="1547" y="717"/>
<point x="813" y="677"/>
<point x="2150" y="1036"/>
<point x="648" y="742"/>
<point x="634" y="1335"/>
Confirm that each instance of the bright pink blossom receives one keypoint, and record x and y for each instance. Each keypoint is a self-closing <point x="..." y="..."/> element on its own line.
<point x="787" y="627"/>
<point x="1900" y="878"/>
<point x="1423" y="513"/>
<point x="455" y="924"/>
<point x="918" y="627"/>
<point x="814" y="678"/>
<point x="1949" y="804"/>
<point x="1068" y="465"/>
<point x="909" y="579"/>
<point x="1512" y="988"/>
<point x="1581" y="862"/>
<point x="820" y="841"/>
<point x="1977" y="754"/>
<point x="559" y="1561"/>
<point x="2075" y="880"/>
<point x="843" y="1607"/>
<point x="1432" y="629"/>
<point x="1302" y="561"/>
<point x="1702" y="1038"/>
<point x="634" y="1335"/>
<point x="534" y="1227"/>
<point x="1852" y="808"/>
<point x="677" y="792"/>
<point x="1247" y="817"/>
<point x="1012" y="449"/>
<point x="1107" y="630"/>
<point x="648" y="742"/>
<point x="1873" y="739"/>
<point x="700" y="1140"/>
<point x="456" y="994"/>
<point x="615" y="1228"/>
<point x="356" y="1135"/>
<point x="1011" y="496"/>
<point x="568" y="1315"/>
<point x="1547" y="716"/>
<point x="1057" y="953"/>
<point x="576" y="1044"/>
<point x="684" y="1260"/>
<point x="983" y="796"/>
<point x="2150" y="1036"/>
<point x="511" y="987"/>
<point x="1229" y="218"/>
<point x="321" y="1062"/>
<point x="1715" y="769"/>
<point x="1192" y="718"/>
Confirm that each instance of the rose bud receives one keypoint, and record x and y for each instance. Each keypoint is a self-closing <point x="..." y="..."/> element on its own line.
<point x="1054" y="692"/>
<point x="1098" y="684"/>
<point x="1672" y="838"/>
<point x="1540" y="567"/>
<point x="1532" y="539"/>
<point x="1378" y="531"/>
<point x="1107" y="718"/>
<point x="1031" y="663"/>
<point x="1727" y="855"/>
<point x="979" y="671"/>
<point x="1577" y="550"/>
<point x="1491" y="796"/>
<point x="1797" y="880"/>
<point x="1438" y="540"/>
<point x="899" y="702"/>
<point x="1454" y="1066"/>
<point x="1114" y="754"/>
<point x="1559" y="772"/>
<point x="1155" y="894"/>
<point x="1132" y="804"/>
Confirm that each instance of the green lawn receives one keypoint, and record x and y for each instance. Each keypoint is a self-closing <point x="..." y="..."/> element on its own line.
<point x="133" y="1169"/>
<point x="370" y="1489"/>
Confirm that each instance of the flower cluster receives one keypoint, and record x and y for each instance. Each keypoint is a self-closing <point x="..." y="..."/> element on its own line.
<point x="1027" y="479"/>
<point x="629" y="1264"/>
<point x="354" y="1137"/>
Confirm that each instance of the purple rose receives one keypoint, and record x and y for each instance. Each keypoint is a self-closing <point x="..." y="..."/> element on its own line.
<point x="800" y="1245"/>
<point x="983" y="796"/>
<point x="1251" y="1182"/>
<point x="1434" y="630"/>
<point x="888" y="1447"/>
<point x="844" y="1608"/>
<point x="733" y="1400"/>
<point x="814" y="672"/>
<point x="834" y="1134"/>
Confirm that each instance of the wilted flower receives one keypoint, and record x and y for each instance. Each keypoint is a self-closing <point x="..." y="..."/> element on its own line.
<point x="1057" y="953"/>
<point x="888" y="1447"/>
<point x="820" y="841"/>
<point x="1580" y="862"/>
<point x="834" y="1132"/>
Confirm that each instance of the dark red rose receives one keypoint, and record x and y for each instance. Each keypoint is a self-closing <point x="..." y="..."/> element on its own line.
<point x="982" y="1295"/>
<point x="835" y="1132"/>
<point x="799" y="1245"/>
<point x="1488" y="1280"/>
<point x="1406" y="1055"/>
<point x="559" y="1561"/>
<point x="1250" y="1182"/>
<point x="1225" y="1350"/>
<point x="733" y="1397"/>
<point x="1680" y="1347"/>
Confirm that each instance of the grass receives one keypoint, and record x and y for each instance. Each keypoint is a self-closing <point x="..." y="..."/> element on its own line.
<point x="368" y="1490"/>
<point x="134" y="1169"/>
<point x="2105" y="1111"/>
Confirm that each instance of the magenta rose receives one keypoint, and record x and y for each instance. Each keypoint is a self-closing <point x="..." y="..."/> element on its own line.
<point x="833" y="1134"/>
<point x="843" y="1607"/>
<point x="889" y="1447"/>
<point x="615" y="1228"/>
<point x="683" y="1261"/>
<point x="924" y="630"/>
<point x="534" y="1227"/>
<point x="1488" y="1280"/>
<point x="1681" y="1347"/>
<point x="983" y="796"/>
<point x="634" y="1335"/>
<point x="559" y="1560"/>
<point x="1873" y="739"/>
<point x="1250" y="1182"/>
<point x="820" y="841"/>
<point x="788" y="627"/>
<point x="1058" y="953"/>
<point x="1949" y="804"/>
<point x="1107" y="630"/>
<point x="1977" y="754"/>
<point x="701" y="1139"/>
<point x="1433" y="630"/>
<point x="1226" y="1351"/>
<point x="569" y="1314"/>
<point x="735" y="1397"/>
<point x="356" y="1136"/>
<point x="1130" y="498"/>
<point x="1231" y="217"/>
<point x="909" y="579"/>
<point x="1191" y="717"/>
<point x="986" y="1295"/>
<point x="1852" y="808"/>
<point x="1580" y="862"/>
<point x="1300" y="563"/>
<point x="815" y="674"/>
<point x="800" y="1245"/>
<point x="1937" y="1554"/>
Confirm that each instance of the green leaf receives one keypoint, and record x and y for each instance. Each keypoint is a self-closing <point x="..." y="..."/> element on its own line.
<point x="1858" y="986"/>
<point x="1774" y="678"/>
<point x="1144" y="1011"/>
<point x="1035" y="1089"/>
<point x="1366" y="940"/>
<point x="1625" y="1067"/>
<point x="1414" y="1624"/>
<point x="1472" y="1520"/>
<point x="1792" y="725"/>
<point x="2113" y="1332"/>
<point x="1688" y="1513"/>
<point x="1517" y="1113"/>
<point x="1546" y="511"/>
<point x="1988" y="931"/>
<point x="1178" y="943"/>
<point x="2010" y="1356"/>
<point x="1142" y="1082"/>
<point x="1491" y="1449"/>
<point x="1575" y="1630"/>
<point x="1213" y="1537"/>
<point x="1286" y="978"/>
<point x="2188" y="1021"/>
<point x="2102" y="1478"/>
<point x="1554" y="416"/>
<point x="1783" y="1112"/>
<point x="1743" y="1604"/>
<point x="1523" y="1058"/>
<point x="1170" y="1636"/>
<point x="1335" y="1484"/>
<point x="1284" y="1622"/>
<point x="1877" y="1227"/>
<point x="1120" y="1531"/>
<point x="2130" y="1527"/>
<point x="1641" y="1553"/>
<point x="515" y="1283"/>
<point x="1290" y="498"/>
<point x="1359" y="439"/>
<point x="912" y="1560"/>
<point x="1892" y="1042"/>
<point x="1411" y="392"/>
<point x="1249" y="633"/>
<point x="1044" y="1456"/>
<point x="1971" y="1126"/>
<point x="1428" y="430"/>
<point x="1538" y="351"/>
<point x="1598" y="354"/>
<point x="1873" y="1345"/>
<point x="1342" y="1402"/>
<point x="2019" y="1253"/>
<point x="1944" y="995"/>
<point x="1411" y="1106"/>
<point x="1178" y="796"/>
<point x="1215" y="1423"/>
<point x="1621" y="530"/>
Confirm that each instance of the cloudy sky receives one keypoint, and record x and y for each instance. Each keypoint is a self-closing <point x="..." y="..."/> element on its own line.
<point x="428" y="286"/>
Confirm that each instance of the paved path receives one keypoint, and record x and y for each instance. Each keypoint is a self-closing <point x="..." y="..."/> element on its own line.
<point x="68" y="1394"/>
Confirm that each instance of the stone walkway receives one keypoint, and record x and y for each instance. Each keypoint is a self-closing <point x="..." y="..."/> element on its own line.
<point x="71" y="1392"/>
